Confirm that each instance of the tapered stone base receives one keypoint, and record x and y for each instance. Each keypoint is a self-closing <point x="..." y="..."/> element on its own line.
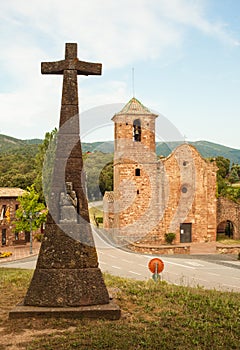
<point x="67" y="272"/>
<point x="108" y="311"/>
<point x="67" y="287"/>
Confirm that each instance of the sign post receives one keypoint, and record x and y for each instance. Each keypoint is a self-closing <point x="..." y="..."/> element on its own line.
<point x="156" y="266"/>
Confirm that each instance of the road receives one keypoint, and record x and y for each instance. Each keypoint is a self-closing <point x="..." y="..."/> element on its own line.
<point x="209" y="274"/>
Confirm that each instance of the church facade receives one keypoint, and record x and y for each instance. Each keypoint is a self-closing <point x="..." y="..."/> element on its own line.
<point x="154" y="196"/>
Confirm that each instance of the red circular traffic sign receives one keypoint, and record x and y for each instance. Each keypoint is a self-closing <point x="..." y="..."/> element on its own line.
<point x="156" y="265"/>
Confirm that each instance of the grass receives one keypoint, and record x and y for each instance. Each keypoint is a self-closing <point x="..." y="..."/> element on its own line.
<point x="97" y="212"/>
<point x="154" y="316"/>
<point x="228" y="241"/>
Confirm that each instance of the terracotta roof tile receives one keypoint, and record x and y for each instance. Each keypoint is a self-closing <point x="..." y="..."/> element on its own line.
<point x="135" y="107"/>
<point x="11" y="192"/>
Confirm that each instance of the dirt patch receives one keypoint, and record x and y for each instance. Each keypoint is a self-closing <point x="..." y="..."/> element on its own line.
<point x="15" y="341"/>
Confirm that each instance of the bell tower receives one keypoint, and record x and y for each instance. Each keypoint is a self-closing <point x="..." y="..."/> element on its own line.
<point x="135" y="171"/>
<point x="135" y="123"/>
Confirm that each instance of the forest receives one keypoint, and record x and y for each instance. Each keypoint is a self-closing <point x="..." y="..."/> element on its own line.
<point x="23" y="162"/>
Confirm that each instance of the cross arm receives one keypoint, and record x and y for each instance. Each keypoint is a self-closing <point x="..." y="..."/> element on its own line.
<point x="88" y="68"/>
<point x="82" y="68"/>
<point x="53" y="67"/>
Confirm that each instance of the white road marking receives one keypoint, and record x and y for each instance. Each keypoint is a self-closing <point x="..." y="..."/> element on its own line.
<point x="116" y="267"/>
<point x="200" y="279"/>
<point x="173" y="273"/>
<point x="128" y="261"/>
<point x="213" y="274"/>
<point x="193" y="263"/>
<point x="142" y="265"/>
<point x="135" y="273"/>
<point x="187" y="267"/>
<point x="111" y="256"/>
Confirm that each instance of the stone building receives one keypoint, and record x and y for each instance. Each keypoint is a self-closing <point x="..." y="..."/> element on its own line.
<point x="8" y="207"/>
<point x="153" y="196"/>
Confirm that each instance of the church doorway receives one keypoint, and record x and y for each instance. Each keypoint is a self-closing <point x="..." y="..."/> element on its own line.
<point x="185" y="233"/>
<point x="225" y="230"/>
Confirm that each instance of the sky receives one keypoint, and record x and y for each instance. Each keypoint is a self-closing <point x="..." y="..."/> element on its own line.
<point x="185" y="55"/>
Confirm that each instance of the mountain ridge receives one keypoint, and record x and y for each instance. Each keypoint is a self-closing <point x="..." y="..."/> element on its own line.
<point x="206" y="148"/>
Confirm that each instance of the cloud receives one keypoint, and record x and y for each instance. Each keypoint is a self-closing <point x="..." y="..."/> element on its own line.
<point x="193" y="13"/>
<point x="117" y="33"/>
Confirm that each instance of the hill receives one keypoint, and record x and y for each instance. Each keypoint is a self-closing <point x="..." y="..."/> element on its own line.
<point x="9" y="144"/>
<point x="205" y="148"/>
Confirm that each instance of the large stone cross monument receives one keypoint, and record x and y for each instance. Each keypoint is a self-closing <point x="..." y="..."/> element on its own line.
<point x="67" y="279"/>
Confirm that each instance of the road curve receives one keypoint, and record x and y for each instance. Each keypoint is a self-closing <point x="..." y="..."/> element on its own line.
<point x="179" y="271"/>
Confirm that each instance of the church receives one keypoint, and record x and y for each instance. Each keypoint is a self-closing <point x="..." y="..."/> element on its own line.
<point x="155" y="196"/>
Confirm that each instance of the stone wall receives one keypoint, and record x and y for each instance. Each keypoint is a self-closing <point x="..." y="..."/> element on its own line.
<point x="163" y="250"/>
<point x="189" y="196"/>
<point x="178" y="189"/>
<point x="229" y="210"/>
<point x="225" y="249"/>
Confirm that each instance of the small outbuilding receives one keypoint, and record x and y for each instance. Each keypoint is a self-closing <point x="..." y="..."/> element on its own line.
<point x="8" y="206"/>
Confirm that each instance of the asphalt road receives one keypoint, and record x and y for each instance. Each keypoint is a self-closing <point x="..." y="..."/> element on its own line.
<point x="208" y="273"/>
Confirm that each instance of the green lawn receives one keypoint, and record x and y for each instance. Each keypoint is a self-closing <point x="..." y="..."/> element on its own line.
<point x="154" y="316"/>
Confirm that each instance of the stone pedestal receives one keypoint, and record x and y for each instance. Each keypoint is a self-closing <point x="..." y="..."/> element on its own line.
<point x="67" y="281"/>
<point x="69" y="267"/>
<point x="108" y="311"/>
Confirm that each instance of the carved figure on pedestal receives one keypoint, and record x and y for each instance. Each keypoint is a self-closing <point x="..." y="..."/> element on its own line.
<point x="68" y="205"/>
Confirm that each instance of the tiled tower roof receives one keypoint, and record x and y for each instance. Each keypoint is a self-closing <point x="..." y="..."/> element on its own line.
<point x="135" y="107"/>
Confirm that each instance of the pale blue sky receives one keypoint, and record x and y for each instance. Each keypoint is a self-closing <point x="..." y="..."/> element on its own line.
<point x="185" y="54"/>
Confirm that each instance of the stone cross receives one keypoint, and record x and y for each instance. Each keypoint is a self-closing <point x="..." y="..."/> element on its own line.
<point x="70" y="68"/>
<point x="67" y="273"/>
<point x="69" y="146"/>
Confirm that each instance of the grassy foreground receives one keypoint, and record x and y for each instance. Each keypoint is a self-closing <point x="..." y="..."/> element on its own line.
<point x="154" y="316"/>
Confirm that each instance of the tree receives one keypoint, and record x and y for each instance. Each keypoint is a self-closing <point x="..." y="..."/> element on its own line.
<point x="106" y="178"/>
<point x="98" y="173"/>
<point x="233" y="176"/>
<point x="31" y="213"/>
<point x="223" y="165"/>
<point x="17" y="168"/>
<point x="44" y="165"/>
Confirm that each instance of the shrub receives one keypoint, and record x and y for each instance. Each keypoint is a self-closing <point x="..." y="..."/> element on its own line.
<point x="169" y="237"/>
<point x="38" y="237"/>
<point x="99" y="219"/>
<point x="5" y="254"/>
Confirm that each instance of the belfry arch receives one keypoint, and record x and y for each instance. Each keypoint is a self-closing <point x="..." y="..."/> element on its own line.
<point x="137" y="130"/>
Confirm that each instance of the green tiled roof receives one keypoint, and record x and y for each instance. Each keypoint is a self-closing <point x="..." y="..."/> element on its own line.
<point x="135" y="107"/>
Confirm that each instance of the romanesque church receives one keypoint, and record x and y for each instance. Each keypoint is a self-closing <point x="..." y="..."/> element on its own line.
<point x="153" y="196"/>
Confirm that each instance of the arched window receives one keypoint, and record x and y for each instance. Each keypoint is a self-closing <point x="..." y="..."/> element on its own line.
<point x="137" y="130"/>
<point x="137" y="172"/>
